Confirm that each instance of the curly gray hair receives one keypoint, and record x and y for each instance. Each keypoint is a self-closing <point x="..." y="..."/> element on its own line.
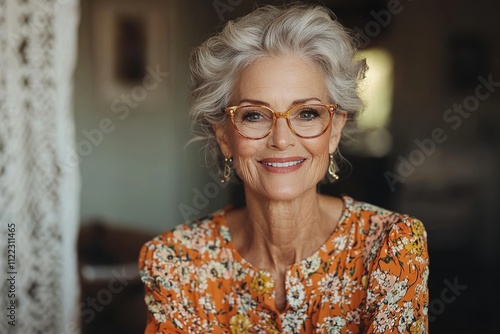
<point x="310" y="31"/>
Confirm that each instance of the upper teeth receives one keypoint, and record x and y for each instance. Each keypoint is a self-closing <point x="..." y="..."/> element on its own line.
<point x="282" y="164"/>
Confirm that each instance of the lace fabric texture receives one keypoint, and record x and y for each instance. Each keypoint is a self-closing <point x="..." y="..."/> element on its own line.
<point x="39" y="185"/>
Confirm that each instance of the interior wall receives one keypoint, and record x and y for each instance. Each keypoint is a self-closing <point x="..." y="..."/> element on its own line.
<point x="139" y="173"/>
<point x="445" y="53"/>
<point x="446" y="150"/>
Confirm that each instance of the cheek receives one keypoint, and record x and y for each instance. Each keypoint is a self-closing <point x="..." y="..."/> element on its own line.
<point x="242" y="147"/>
<point x="318" y="147"/>
<point x="245" y="148"/>
<point x="243" y="151"/>
<point x="321" y="165"/>
<point x="320" y="155"/>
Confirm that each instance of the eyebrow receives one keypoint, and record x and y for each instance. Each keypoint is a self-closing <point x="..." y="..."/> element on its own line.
<point x="301" y="101"/>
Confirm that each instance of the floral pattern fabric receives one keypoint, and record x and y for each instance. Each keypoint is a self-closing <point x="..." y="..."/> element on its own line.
<point x="369" y="277"/>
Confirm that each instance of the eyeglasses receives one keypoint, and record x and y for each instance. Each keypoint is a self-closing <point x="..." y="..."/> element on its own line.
<point x="305" y="121"/>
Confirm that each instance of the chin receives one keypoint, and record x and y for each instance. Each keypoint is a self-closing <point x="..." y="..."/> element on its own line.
<point x="284" y="192"/>
<point x="280" y="187"/>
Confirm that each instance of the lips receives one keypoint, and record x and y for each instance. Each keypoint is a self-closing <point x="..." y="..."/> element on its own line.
<point x="282" y="165"/>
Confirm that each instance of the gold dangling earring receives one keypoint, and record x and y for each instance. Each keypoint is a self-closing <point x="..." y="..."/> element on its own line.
<point x="331" y="168"/>
<point x="227" y="170"/>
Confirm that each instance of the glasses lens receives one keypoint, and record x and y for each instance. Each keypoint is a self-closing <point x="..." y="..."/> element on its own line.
<point x="309" y="120"/>
<point x="252" y="121"/>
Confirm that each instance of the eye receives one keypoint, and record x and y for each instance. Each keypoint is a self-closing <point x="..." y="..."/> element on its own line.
<point x="307" y="114"/>
<point x="252" y="116"/>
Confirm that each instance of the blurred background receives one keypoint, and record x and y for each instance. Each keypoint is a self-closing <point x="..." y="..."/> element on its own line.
<point x="428" y="145"/>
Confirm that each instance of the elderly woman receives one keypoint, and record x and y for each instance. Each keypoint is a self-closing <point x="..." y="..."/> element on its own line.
<point x="273" y="92"/>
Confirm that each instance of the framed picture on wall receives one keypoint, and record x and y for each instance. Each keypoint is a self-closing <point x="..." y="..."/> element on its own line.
<point x="132" y="51"/>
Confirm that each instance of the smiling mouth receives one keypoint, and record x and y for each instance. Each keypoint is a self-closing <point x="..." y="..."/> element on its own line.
<point x="282" y="164"/>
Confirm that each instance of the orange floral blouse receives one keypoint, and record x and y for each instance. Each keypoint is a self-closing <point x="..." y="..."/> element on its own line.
<point x="369" y="277"/>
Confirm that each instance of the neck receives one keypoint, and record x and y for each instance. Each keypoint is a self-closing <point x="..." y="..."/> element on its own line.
<point x="277" y="234"/>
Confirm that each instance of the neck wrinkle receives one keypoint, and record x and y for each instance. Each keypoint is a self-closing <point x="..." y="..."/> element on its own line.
<point x="280" y="234"/>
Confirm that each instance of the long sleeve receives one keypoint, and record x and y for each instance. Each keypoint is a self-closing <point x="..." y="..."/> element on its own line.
<point x="397" y="293"/>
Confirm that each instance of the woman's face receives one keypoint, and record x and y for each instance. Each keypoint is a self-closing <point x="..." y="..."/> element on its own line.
<point x="280" y="83"/>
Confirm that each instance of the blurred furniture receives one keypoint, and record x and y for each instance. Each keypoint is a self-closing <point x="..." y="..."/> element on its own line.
<point x="111" y="290"/>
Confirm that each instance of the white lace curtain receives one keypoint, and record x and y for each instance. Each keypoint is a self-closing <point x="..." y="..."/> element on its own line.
<point x="38" y="183"/>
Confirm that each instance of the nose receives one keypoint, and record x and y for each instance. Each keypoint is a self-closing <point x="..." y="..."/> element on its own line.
<point x="281" y="136"/>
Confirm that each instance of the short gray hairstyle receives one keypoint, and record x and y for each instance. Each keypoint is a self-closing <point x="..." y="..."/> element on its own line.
<point x="310" y="31"/>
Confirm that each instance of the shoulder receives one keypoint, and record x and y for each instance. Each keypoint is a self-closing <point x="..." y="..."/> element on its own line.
<point x="378" y="221"/>
<point x="188" y="242"/>
<point x="382" y="228"/>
